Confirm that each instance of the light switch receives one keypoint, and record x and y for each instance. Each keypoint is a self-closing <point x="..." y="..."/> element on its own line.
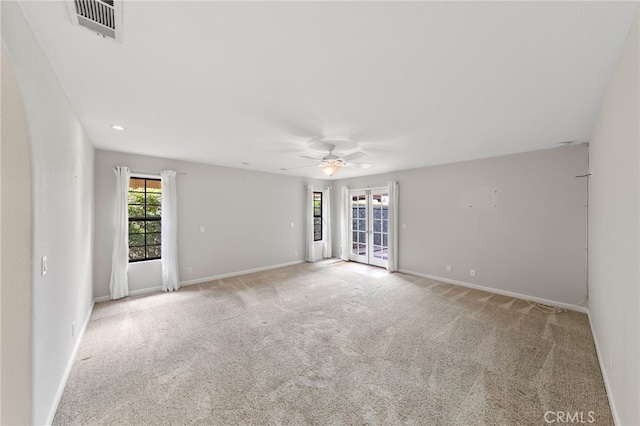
<point x="201" y="228"/>
<point x="44" y="265"/>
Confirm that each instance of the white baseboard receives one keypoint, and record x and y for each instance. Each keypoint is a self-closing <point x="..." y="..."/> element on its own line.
<point x="204" y="279"/>
<point x="501" y="292"/>
<point x="131" y="293"/>
<point x="605" y="378"/>
<point x="235" y="274"/>
<point x="548" y="302"/>
<point x="67" y="372"/>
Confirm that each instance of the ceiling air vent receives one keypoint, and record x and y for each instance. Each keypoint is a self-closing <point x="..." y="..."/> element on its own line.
<point x="100" y="16"/>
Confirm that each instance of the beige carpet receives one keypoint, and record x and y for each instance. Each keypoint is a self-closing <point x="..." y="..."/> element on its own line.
<point x="331" y="344"/>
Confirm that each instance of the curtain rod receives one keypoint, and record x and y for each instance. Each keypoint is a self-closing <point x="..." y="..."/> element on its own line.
<point x="152" y="173"/>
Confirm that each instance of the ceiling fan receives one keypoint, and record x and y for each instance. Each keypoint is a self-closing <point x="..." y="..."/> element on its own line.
<point x="332" y="163"/>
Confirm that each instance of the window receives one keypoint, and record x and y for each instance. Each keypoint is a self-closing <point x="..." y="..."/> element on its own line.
<point x="317" y="216"/>
<point x="145" y="204"/>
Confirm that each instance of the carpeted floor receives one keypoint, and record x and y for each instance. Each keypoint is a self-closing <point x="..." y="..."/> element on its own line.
<point x="331" y="344"/>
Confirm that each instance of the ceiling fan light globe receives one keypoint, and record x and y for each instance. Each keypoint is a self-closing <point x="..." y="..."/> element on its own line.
<point x="330" y="169"/>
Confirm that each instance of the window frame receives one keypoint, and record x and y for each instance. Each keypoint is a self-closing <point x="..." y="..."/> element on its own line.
<point x="146" y="219"/>
<point x="317" y="216"/>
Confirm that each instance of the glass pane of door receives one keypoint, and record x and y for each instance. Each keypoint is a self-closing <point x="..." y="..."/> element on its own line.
<point x="380" y="206"/>
<point x="359" y="239"/>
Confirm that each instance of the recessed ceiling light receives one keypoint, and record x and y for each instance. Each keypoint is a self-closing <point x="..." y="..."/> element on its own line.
<point x="116" y="127"/>
<point x="245" y="163"/>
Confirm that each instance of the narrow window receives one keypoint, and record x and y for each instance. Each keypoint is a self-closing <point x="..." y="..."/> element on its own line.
<point x="145" y="203"/>
<point x="317" y="216"/>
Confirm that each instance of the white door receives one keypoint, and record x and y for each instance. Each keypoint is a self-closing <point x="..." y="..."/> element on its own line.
<point x="369" y="214"/>
<point x="359" y="213"/>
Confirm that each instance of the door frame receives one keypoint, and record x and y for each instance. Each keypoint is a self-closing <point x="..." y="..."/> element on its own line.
<point x="368" y="257"/>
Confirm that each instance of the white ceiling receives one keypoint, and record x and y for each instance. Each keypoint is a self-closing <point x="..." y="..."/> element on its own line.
<point x="412" y="83"/>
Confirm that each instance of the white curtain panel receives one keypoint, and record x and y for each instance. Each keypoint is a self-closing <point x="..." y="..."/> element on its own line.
<point x="169" y="222"/>
<point x="392" y="260"/>
<point x="119" y="283"/>
<point x="326" y="223"/>
<point x="310" y="252"/>
<point x="344" y="228"/>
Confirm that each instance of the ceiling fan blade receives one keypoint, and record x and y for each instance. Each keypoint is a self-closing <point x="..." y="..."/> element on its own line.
<point x="281" y="152"/>
<point x="284" y="169"/>
<point x="354" y="156"/>
<point x="342" y="145"/>
<point x="358" y="165"/>
<point x="311" y="158"/>
<point x="390" y="146"/>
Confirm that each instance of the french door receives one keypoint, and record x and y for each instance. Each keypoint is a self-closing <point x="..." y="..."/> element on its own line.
<point x="369" y="218"/>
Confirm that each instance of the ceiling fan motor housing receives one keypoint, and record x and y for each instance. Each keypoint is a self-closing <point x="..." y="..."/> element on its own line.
<point x="332" y="160"/>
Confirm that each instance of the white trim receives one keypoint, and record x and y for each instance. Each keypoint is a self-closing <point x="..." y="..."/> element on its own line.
<point x="368" y="258"/>
<point x="205" y="279"/>
<point x="145" y="176"/>
<point x="67" y="372"/>
<point x="131" y="293"/>
<point x="605" y="378"/>
<point x="73" y="14"/>
<point x="502" y="292"/>
<point x="235" y="274"/>
<point x="117" y="12"/>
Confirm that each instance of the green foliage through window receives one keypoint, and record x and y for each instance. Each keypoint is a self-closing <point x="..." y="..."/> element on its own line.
<point x="145" y="214"/>
<point x="317" y="216"/>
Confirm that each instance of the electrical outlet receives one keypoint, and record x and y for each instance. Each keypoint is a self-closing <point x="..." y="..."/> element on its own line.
<point x="201" y="228"/>
<point x="295" y="253"/>
<point x="472" y="272"/>
<point x="189" y="269"/>
<point x="449" y="268"/>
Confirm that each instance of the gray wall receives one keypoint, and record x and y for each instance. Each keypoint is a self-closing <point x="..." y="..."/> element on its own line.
<point x="530" y="241"/>
<point x="15" y="276"/>
<point x="62" y="182"/>
<point x="614" y="239"/>
<point x="247" y="218"/>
